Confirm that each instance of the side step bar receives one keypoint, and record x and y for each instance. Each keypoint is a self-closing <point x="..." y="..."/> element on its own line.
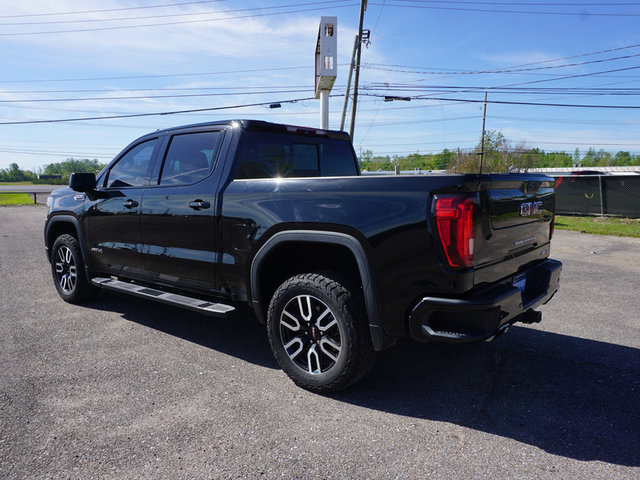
<point x="195" y="304"/>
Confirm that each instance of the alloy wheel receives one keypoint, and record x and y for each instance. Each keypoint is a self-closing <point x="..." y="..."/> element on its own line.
<point x="66" y="272"/>
<point x="310" y="334"/>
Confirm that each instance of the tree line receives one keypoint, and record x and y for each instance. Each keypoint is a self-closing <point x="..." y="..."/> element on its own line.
<point x="15" y="174"/>
<point x="500" y="155"/>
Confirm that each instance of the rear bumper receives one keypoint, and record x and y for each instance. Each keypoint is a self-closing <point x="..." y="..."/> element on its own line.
<point x="486" y="313"/>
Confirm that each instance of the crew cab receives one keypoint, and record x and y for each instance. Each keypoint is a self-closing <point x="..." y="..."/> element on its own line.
<point x="336" y="264"/>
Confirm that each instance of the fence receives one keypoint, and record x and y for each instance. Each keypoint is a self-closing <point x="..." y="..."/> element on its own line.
<point x="617" y="195"/>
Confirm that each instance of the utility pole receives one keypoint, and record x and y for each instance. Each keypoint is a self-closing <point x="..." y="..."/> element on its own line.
<point x="484" y="117"/>
<point x="346" y="92"/>
<point x="363" y="7"/>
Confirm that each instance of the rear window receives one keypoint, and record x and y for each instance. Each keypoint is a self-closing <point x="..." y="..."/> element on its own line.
<point x="271" y="155"/>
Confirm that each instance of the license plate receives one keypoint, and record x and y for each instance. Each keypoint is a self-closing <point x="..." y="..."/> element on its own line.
<point x="520" y="281"/>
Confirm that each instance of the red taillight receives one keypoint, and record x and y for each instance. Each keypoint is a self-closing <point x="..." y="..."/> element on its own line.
<point x="454" y="220"/>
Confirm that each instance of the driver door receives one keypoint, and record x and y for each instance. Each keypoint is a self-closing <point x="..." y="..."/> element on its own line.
<point x="113" y="218"/>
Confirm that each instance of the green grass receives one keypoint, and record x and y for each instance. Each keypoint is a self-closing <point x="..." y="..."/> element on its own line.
<point x="15" y="199"/>
<point x="621" y="227"/>
<point x="16" y="183"/>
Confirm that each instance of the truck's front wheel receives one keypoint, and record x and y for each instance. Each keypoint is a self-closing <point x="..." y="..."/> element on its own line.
<point x="318" y="333"/>
<point x="67" y="268"/>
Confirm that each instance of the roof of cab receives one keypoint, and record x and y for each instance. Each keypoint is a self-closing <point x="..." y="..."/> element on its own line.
<point x="260" y="125"/>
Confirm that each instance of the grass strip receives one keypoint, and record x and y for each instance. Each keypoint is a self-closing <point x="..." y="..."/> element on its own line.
<point x="620" y="227"/>
<point x="15" y="199"/>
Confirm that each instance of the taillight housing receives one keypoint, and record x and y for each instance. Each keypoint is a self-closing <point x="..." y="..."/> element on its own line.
<point x="454" y="218"/>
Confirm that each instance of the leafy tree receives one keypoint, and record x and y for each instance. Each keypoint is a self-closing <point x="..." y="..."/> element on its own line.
<point x="72" y="165"/>
<point x="622" y="158"/>
<point x="576" y="156"/>
<point x="15" y="174"/>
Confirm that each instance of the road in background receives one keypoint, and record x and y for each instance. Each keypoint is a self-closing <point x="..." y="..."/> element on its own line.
<point x="126" y="388"/>
<point x="39" y="193"/>
<point x="30" y="188"/>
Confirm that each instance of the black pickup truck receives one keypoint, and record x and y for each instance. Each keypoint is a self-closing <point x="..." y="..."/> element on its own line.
<point x="337" y="265"/>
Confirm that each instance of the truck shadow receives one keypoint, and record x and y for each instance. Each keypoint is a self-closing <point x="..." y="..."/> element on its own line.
<point x="569" y="396"/>
<point x="240" y="335"/>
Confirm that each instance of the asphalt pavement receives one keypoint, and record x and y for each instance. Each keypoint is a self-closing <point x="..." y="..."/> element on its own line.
<point x="124" y="388"/>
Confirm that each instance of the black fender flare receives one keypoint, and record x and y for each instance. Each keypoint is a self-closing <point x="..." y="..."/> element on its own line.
<point x="74" y="221"/>
<point x="379" y="339"/>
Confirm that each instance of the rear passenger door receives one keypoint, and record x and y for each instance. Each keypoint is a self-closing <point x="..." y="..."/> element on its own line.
<point x="178" y="212"/>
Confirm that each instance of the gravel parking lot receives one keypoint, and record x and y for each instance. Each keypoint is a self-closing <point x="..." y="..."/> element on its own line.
<point x="126" y="388"/>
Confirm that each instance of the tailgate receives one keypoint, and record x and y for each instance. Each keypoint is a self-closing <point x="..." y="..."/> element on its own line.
<point x="516" y="219"/>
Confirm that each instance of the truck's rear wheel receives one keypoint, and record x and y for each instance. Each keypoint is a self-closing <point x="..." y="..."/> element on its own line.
<point x="67" y="268"/>
<point x="318" y="333"/>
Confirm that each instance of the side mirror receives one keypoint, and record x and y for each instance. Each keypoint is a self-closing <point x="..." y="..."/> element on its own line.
<point x="82" y="182"/>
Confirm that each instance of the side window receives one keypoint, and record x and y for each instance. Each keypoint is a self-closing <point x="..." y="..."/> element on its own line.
<point x="263" y="156"/>
<point x="337" y="159"/>
<point x="305" y="160"/>
<point x="132" y="170"/>
<point x="189" y="158"/>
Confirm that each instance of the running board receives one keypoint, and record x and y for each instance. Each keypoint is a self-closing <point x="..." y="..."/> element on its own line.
<point x="195" y="304"/>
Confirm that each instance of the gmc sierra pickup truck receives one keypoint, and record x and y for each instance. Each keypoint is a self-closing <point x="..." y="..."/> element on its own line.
<point x="335" y="264"/>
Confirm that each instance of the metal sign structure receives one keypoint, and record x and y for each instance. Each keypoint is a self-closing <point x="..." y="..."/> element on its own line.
<point x="326" y="71"/>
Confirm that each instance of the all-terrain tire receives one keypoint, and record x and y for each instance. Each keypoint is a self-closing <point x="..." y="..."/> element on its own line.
<point x="68" y="271"/>
<point x="318" y="332"/>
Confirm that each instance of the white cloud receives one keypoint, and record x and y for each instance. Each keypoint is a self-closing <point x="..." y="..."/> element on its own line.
<point x="520" y="58"/>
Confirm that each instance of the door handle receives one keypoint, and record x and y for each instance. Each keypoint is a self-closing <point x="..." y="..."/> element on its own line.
<point x="198" y="204"/>
<point x="130" y="203"/>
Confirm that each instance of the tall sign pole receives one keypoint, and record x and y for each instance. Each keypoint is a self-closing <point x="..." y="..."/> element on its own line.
<point x="326" y="65"/>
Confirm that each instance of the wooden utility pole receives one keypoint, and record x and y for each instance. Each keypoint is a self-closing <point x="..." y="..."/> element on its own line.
<point x="363" y="7"/>
<point x="346" y="92"/>
<point x="484" y="118"/>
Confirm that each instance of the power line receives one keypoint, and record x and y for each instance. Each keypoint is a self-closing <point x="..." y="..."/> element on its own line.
<point x="159" y="89"/>
<point x="148" y="97"/>
<point x="168" y="15"/>
<point x="522" y="12"/>
<point x="451" y="72"/>
<point x="565" y="120"/>
<point x="504" y="102"/>
<point x="168" y="75"/>
<point x="514" y="70"/>
<point x="562" y="78"/>
<point x="411" y="122"/>
<point x="174" y="112"/>
<point x="365" y="65"/>
<point x="571" y="76"/>
<point x="445" y="89"/>
<point x="527" y="4"/>
<point x="50" y="154"/>
<point x="182" y="22"/>
<point x="146" y="7"/>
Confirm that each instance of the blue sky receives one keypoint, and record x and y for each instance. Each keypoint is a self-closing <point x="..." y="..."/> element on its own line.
<point x="68" y="59"/>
